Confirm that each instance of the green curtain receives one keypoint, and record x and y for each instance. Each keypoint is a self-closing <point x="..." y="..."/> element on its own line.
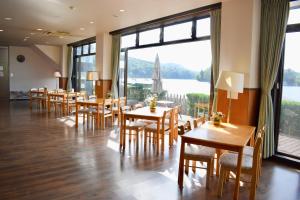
<point x="274" y="16"/>
<point x="70" y="67"/>
<point x="115" y="56"/>
<point x="215" y="32"/>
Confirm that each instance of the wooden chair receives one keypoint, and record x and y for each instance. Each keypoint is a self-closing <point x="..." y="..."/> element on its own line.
<point x="123" y="103"/>
<point x="250" y="166"/>
<point x="105" y="111"/>
<point x="151" y="129"/>
<point x="174" y="132"/>
<point x="201" y="110"/>
<point x="134" y="127"/>
<point x="116" y="109"/>
<point x="200" y="153"/>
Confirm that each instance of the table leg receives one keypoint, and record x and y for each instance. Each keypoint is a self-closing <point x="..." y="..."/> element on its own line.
<point x="63" y="107"/>
<point x="76" y="116"/>
<point x="49" y="105"/>
<point x="181" y="165"/>
<point x="157" y="136"/>
<point x="238" y="174"/>
<point x="121" y="131"/>
<point x="124" y="134"/>
<point x="218" y="151"/>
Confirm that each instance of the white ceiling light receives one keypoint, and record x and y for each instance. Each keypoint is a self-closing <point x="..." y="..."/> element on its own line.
<point x="91" y="22"/>
<point x="32" y="33"/>
<point x="39" y="29"/>
<point x="122" y="10"/>
<point x="8" y="18"/>
<point x="1" y="30"/>
<point x="82" y="29"/>
<point x="27" y="37"/>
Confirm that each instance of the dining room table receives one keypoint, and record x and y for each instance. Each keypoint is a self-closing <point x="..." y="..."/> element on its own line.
<point x="61" y="97"/>
<point x="145" y="114"/>
<point x="97" y="103"/>
<point x="224" y="136"/>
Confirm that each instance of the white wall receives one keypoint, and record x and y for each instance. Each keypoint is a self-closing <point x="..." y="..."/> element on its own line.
<point x="53" y="52"/>
<point x="240" y="32"/>
<point x="34" y="72"/>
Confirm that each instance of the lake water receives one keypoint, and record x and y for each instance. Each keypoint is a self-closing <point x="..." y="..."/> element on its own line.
<point x="184" y="86"/>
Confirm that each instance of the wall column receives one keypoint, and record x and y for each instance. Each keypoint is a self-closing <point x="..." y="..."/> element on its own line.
<point x="103" y="64"/>
<point x="240" y="34"/>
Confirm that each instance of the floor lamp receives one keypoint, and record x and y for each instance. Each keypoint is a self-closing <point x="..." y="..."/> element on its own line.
<point x="57" y="75"/>
<point x="233" y="83"/>
<point x="92" y="76"/>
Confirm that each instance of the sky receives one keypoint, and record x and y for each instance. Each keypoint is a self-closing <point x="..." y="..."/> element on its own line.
<point x="193" y="55"/>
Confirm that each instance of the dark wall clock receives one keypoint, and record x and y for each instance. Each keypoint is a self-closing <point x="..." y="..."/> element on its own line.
<point x="21" y="58"/>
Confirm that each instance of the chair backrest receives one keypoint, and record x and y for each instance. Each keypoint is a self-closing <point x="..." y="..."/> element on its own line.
<point x="136" y="106"/>
<point x="257" y="153"/>
<point x="167" y="115"/>
<point x="92" y="97"/>
<point x="175" y="115"/>
<point x="199" y="121"/>
<point x="201" y="109"/>
<point x="123" y="101"/>
<point x="261" y="134"/>
<point x="116" y="103"/>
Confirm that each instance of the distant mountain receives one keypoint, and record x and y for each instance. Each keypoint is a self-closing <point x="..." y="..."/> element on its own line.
<point x="138" y="68"/>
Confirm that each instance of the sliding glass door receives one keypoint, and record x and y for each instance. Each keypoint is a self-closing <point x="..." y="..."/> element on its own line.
<point x="288" y="103"/>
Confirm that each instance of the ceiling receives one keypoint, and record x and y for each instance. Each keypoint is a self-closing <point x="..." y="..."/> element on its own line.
<point x="67" y="21"/>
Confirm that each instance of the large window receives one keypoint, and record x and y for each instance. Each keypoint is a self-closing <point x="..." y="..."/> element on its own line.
<point x="172" y="61"/>
<point x="84" y="61"/>
<point x="288" y="103"/>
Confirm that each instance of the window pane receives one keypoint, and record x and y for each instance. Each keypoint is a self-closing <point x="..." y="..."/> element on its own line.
<point x="85" y="64"/>
<point x="78" y="51"/>
<point x="294" y="17"/>
<point x="93" y="48"/>
<point x="181" y="74"/>
<point x="149" y="37"/>
<point x="128" y="40"/>
<point x="178" y="32"/>
<point x="203" y="27"/>
<point x="86" y="49"/>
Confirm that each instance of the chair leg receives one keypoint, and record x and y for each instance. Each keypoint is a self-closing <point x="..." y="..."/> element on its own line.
<point x="145" y="140"/>
<point x="208" y="174"/>
<point x="221" y="181"/>
<point x="212" y="167"/>
<point x="187" y="166"/>
<point x="253" y="186"/>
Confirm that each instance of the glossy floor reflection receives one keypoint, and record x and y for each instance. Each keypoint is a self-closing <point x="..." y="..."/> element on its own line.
<point x="43" y="157"/>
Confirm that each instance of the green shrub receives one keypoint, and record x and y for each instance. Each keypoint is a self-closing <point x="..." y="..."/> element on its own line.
<point x="290" y="118"/>
<point x="193" y="98"/>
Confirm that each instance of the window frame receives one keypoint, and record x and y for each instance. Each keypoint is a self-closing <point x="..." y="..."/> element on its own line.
<point x="89" y="41"/>
<point x="163" y="43"/>
<point x="277" y="92"/>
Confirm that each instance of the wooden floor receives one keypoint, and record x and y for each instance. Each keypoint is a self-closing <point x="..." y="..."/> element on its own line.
<point x="43" y="157"/>
<point x="289" y="145"/>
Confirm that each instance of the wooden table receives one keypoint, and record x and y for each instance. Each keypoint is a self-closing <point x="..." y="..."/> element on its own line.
<point x="87" y="103"/>
<point x="64" y="97"/>
<point x="143" y="113"/>
<point x="226" y="136"/>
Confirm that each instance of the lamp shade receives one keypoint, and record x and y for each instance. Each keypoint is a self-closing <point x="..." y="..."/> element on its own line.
<point x="57" y="74"/>
<point x="231" y="82"/>
<point x="92" y="76"/>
